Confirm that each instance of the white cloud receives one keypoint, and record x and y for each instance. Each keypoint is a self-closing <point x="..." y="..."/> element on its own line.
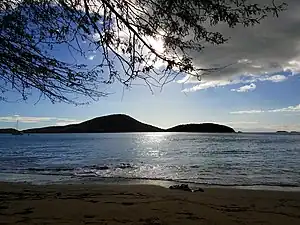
<point x="243" y="122"/>
<point x="31" y="119"/>
<point x="24" y="119"/>
<point x="209" y="84"/>
<point x="91" y="57"/>
<point x="295" y="108"/>
<point x="274" y="78"/>
<point x="248" y="80"/>
<point x="96" y="37"/>
<point x="64" y="121"/>
<point x="247" y="112"/>
<point x="293" y="66"/>
<point x="246" y="88"/>
<point x="235" y="123"/>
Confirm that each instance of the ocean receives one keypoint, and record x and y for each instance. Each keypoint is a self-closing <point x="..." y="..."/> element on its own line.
<point x="232" y="160"/>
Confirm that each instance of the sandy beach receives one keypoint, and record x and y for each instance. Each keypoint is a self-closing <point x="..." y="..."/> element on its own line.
<point x="143" y="204"/>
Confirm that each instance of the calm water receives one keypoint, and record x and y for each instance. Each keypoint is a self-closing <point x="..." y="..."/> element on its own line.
<point x="218" y="159"/>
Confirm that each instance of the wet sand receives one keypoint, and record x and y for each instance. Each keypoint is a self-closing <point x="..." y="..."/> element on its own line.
<point x="143" y="204"/>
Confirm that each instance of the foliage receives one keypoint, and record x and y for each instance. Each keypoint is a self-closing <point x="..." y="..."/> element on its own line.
<point x="136" y="39"/>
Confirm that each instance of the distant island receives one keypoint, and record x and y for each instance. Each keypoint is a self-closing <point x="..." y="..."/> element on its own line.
<point x="202" y="128"/>
<point x="10" y="131"/>
<point x="119" y="123"/>
<point x="282" y="132"/>
<point x="286" y="132"/>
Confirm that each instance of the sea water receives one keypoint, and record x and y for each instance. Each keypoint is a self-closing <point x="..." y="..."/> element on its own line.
<point x="249" y="160"/>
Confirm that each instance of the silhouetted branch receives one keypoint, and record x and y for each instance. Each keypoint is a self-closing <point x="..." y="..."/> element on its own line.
<point x="123" y="33"/>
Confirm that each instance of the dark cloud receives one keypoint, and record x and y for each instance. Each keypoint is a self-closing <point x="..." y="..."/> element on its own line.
<point x="270" y="47"/>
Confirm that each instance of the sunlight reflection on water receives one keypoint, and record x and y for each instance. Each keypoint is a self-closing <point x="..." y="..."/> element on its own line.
<point x="217" y="159"/>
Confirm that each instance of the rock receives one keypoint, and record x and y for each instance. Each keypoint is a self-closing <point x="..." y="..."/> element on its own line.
<point x="125" y="166"/>
<point x="183" y="187"/>
<point x="103" y="168"/>
<point x="199" y="189"/>
<point x="97" y="167"/>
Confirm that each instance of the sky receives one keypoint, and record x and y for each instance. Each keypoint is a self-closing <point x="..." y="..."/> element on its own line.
<point x="258" y="92"/>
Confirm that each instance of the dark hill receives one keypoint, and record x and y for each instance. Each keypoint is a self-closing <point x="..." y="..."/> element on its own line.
<point x="122" y="123"/>
<point x="9" y="131"/>
<point x="282" y="132"/>
<point x="106" y="124"/>
<point x="202" y="128"/>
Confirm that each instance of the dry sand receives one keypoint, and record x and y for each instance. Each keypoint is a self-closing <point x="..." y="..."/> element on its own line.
<point x="144" y="204"/>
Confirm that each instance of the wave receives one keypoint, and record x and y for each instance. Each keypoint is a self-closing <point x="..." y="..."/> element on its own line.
<point x="94" y="177"/>
<point x="47" y="170"/>
<point x="124" y="172"/>
<point x="123" y="178"/>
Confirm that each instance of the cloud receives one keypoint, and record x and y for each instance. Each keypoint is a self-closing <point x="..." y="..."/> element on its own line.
<point x="30" y="119"/>
<point x="275" y="78"/>
<point x="295" y="108"/>
<point x="24" y="119"/>
<point x="236" y="123"/>
<point x="91" y="57"/>
<point x="208" y="84"/>
<point x="246" y="88"/>
<point x="247" y="112"/>
<point x="250" y="80"/>
<point x="63" y="122"/>
<point x="265" y="52"/>
<point x="243" y="122"/>
<point x="96" y="37"/>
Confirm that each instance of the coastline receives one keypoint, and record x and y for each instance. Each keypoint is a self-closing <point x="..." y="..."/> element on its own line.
<point x="49" y="179"/>
<point x="46" y="179"/>
<point x="143" y="204"/>
<point x="219" y="160"/>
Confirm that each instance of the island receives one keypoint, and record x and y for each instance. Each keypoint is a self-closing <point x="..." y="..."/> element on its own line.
<point x="119" y="123"/>
<point x="10" y="131"/>
<point x="282" y="132"/>
<point x="202" y="128"/>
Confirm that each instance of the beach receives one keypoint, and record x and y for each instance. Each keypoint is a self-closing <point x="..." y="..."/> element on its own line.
<point x="22" y="203"/>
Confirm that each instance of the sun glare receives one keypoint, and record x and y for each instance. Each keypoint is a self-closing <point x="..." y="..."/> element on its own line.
<point x="156" y="137"/>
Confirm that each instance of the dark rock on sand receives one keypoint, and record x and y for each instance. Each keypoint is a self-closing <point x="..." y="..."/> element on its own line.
<point x="185" y="187"/>
<point x="125" y="166"/>
<point x="97" y="167"/>
<point x="199" y="189"/>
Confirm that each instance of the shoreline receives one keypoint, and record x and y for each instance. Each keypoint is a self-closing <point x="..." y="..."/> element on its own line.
<point x="143" y="204"/>
<point x="41" y="179"/>
<point x="165" y="183"/>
